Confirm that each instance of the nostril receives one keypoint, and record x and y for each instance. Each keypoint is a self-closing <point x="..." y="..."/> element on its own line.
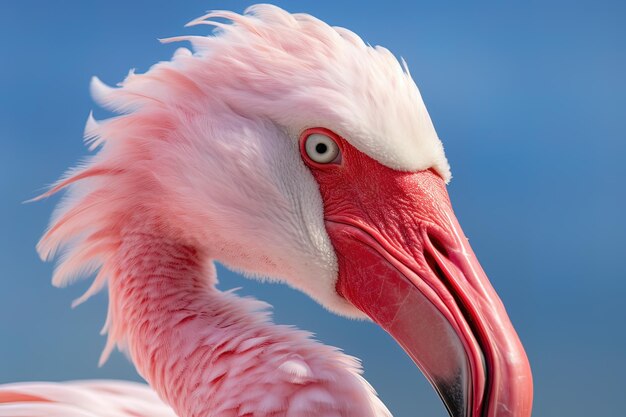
<point x="435" y="239"/>
<point x="434" y="266"/>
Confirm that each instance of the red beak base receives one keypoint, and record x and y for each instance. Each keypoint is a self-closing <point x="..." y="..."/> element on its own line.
<point x="405" y="262"/>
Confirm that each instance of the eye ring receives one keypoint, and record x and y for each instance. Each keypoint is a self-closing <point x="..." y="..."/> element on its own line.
<point x="320" y="147"/>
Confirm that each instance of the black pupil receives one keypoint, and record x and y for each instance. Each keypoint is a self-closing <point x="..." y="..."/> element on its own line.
<point x="321" y="148"/>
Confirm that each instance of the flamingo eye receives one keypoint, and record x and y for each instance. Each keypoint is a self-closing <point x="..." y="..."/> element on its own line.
<point x="321" y="148"/>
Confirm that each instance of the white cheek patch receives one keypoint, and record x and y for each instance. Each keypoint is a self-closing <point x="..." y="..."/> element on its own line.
<point x="313" y="259"/>
<point x="270" y="220"/>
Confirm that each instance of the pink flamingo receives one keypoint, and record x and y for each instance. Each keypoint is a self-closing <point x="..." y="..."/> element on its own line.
<point x="284" y="148"/>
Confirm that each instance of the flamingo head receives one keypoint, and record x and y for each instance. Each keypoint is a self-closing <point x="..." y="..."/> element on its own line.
<point x="289" y="149"/>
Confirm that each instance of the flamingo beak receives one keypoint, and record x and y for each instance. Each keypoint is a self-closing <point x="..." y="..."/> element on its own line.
<point x="405" y="262"/>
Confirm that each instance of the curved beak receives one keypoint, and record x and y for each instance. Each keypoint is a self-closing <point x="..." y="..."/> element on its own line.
<point x="405" y="262"/>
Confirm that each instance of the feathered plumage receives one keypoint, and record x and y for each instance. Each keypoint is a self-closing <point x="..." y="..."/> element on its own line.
<point x="202" y="164"/>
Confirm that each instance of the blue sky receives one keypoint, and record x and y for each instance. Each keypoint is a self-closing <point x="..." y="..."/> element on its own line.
<point x="529" y="100"/>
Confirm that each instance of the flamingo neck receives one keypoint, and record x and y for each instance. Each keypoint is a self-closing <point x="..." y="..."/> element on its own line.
<point x="176" y="326"/>
<point x="207" y="352"/>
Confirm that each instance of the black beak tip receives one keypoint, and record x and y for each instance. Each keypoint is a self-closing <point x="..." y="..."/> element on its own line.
<point x="455" y="394"/>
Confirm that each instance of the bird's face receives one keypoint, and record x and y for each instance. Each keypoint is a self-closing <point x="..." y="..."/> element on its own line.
<point x="405" y="262"/>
